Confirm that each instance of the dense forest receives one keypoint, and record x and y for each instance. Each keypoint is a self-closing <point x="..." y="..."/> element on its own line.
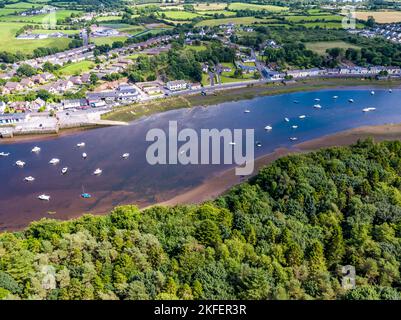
<point x="282" y="235"/>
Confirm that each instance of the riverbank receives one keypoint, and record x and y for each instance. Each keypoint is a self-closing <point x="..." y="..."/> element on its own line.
<point x="137" y="111"/>
<point x="223" y="181"/>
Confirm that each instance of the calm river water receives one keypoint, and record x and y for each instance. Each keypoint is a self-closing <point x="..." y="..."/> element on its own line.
<point x="135" y="181"/>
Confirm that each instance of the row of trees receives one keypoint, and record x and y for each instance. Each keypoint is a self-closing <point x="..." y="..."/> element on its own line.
<point x="283" y="235"/>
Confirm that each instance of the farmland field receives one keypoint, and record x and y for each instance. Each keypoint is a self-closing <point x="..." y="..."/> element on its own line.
<point x="210" y="6"/>
<point x="41" y="18"/>
<point x="224" y="12"/>
<point x="107" y="40"/>
<point x="180" y="15"/>
<point x="46" y="31"/>
<point x="327" y="25"/>
<point x="380" y="16"/>
<point x="256" y="7"/>
<point x="23" y="5"/>
<point x="76" y="68"/>
<point x="10" y="44"/>
<point x="321" y="46"/>
<point x="314" y="18"/>
<point x="236" y="21"/>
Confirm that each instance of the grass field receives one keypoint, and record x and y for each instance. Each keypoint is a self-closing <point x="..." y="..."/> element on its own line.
<point x="236" y="21"/>
<point x="45" y="31"/>
<point x="76" y="68"/>
<point x="9" y="11"/>
<point x="380" y="16"/>
<point x="314" y="18"/>
<point x="210" y="6"/>
<point x="223" y="12"/>
<point x="22" y="5"/>
<point x="10" y="44"/>
<point x="108" y="18"/>
<point x="196" y="48"/>
<point x="321" y="46"/>
<point x="107" y="40"/>
<point x="179" y="15"/>
<point x="327" y="25"/>
<point x="41" y="18"/>
<point x="255" y="7"/>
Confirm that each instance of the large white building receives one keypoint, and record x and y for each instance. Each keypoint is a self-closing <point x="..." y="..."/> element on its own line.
<point x="177" y="85"/>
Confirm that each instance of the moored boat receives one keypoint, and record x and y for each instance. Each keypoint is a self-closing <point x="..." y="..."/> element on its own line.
<point x="81" y="144"/>
<point x="20" y="163"/>
<point x="29" y="179"/>
<point x="97" y="172"/>
<point x="44" y="197"/>
<point x="268" y="128"/>
<point x="4" y="154"/>
<point x="54" y="161"/>
<point x="368" y="109"/>
<point x="302" y="116"/>
<point x="64" y="170"/>
<point x="35" y="149"/>
<point x="125" y="155"/>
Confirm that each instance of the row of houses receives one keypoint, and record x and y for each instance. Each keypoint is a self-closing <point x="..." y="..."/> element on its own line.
<point x="116" y="67"/>
<point x="73" y="55"/>
<point x="342" y="71"/>
<point x="123" y="93"/>
<point x="178" y="85"/>
<point x="22" y="106"/>
<point x="26" y="83"/>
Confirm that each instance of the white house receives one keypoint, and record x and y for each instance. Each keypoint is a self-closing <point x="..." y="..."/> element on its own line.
<point x="177" y="85"/>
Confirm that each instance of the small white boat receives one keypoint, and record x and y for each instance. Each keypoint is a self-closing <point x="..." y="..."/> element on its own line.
<point x="293" y="138"/>
<point x="247" y="111"/>
<point x="317" y="106"/>
<point x="81" y="144"/>
<point x="97" y="172"/>
<point x="268" y="128"/>
<point x="335" y="97"/>
<point x="35" y="149"/>
<point x="125" y="155"/>
<point x="231" y="143"/>
<point x="4" y="154"/>
<point x="20" y="163"/>
<point x="390" y="90"/>
<point x="29" y="179"/>
<point x="296" y="101"/>
<point x="368" y="109"/>
<point x="302" y="116"/>
<point x="44" y="197"/>
<point x="258" y="144"/>
<point x="351" y="100"/>
<point x="84" y="155"/>
<point x="372" y="92"/>
<point x="64" y="170"/>
<point x="287" y="120"/>
<point x="54" y="161"/>
<point x="294" y="127"/>
<point x="317" y="99"/>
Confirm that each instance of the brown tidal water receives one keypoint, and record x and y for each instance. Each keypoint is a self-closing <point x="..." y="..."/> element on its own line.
<point x="134" y="181"/>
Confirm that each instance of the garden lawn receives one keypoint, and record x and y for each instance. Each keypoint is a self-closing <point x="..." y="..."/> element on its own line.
<point x="76" y="68"/>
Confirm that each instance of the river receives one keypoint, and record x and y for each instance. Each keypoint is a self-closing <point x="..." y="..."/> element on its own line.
<point x="135" y="181"/>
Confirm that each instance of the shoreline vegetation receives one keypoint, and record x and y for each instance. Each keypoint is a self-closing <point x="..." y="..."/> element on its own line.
<point x="224" y="181"/>
<point x="136" y="111"/>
